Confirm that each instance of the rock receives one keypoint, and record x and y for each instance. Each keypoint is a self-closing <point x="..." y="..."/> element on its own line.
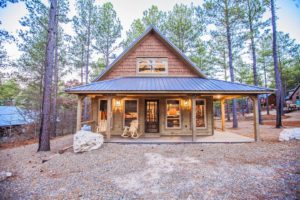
<point x="86" y="141"/>
<point x="4" y="175"/>
<point x="289" y="134"/>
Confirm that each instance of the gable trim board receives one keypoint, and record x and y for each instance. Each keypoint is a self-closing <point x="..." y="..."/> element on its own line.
<point x="135" y="43"/>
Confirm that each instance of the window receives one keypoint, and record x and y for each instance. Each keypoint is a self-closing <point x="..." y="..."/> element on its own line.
<point x="130" y="111"/>
<point x="152" y="65"/>
<point x="173" y="114"/>
<point x="200" y="113"/>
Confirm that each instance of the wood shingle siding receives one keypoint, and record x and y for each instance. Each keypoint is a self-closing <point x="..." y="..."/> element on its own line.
<point x="150" y="46"/>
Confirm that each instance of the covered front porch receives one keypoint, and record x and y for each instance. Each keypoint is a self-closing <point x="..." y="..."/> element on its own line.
<point x="162" y="118"/>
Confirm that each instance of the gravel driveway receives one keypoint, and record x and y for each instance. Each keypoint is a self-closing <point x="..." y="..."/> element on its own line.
<point x="266" y="170"/>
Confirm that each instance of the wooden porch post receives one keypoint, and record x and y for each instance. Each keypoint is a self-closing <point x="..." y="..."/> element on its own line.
<point x="79" y="112"/>
<point x="223" y="114"/>
<point x="94" y="112"/>
<point x="193" y="120"/>
<point x="255" y="118"/>
<point x="109" y="117"/>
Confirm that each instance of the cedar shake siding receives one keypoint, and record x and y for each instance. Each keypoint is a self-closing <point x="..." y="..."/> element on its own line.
<point x="150" y="46"/>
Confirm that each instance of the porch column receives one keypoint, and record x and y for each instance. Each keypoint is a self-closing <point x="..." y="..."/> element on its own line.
<point x="109" y="117"/>
<point x="94" y="112"/>
<point x="223" y="114"/>
<point x="79" y="112"/>
<point x="255" y="118"/>
<point x="193" y="120"/>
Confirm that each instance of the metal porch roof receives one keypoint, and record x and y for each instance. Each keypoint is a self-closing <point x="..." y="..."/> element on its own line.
<point x="165" y="85"/>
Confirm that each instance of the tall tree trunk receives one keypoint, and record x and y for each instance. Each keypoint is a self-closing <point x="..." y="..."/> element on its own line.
<point x="265" y="77"/>
<point x="280" y="67"/>
<point x="82" y="64"/>
<point x="87" y="61"/>
<point x="54" y="96"/>
<point x="40" y="99"/>
<point x="44" y="137"/>
<point x="228" y="110"/>
<point x="107" y="55"/>
<point x="254" y="68"/>
<point x="55" y="82"/>
<point x="229" y="45"/>
<point x="276" y="69"/>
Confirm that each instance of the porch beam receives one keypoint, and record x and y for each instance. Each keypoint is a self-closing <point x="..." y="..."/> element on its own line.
<point x="255" y="118"/>
<point x="223" y="114"/>
<point x="228" y="97"/>
<point x="109" y="117"/>
<point x="79" y="112"/>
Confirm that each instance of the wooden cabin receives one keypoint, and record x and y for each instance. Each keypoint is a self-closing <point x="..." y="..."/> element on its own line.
<point x="294" y="96"/>
<point x="153" y="82"/>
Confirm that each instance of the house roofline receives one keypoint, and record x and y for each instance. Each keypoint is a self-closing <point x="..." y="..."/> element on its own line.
<point x="290" y="97"/>
<point x="167" y="91"/>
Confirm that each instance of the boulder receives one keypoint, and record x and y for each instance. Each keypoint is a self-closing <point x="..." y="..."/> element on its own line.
<point x="289" y="134"/>
<point x="86" y="141"/>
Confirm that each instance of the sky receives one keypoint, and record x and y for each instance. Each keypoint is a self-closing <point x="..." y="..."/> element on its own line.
<point x="128" y="10"/>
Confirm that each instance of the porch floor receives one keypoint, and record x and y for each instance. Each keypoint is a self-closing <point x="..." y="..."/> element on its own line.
<point x="218" y="137"/>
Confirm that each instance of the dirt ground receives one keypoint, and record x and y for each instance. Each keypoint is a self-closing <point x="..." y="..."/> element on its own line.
<point x="268" y="132"/>
<point x="263" y="170"/>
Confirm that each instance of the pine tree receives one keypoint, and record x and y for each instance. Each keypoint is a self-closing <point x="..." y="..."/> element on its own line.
<point x="226" y="16"/>
<point x="254" y="10"/>
<point x="83" y="24"/>
<point x="44" y="136"/>
<point x="107" y="30"/>
<point x="184" y="26"/>
<point x="279" y="97"/>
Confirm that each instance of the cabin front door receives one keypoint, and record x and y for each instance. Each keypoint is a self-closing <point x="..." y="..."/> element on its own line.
<point x="151" y="116"/>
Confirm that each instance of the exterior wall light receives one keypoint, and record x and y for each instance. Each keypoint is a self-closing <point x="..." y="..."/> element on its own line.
<point x="186" y="103"/>
<point x="118" y="103"/>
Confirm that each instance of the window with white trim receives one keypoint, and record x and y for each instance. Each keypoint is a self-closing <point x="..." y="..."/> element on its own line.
<point x="173" y="113"/>
<point x="152" y="65"/>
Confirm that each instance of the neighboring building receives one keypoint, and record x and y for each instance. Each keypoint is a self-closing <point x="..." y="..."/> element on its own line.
<point x="294" y="96"/>
<point x="13" y="117"/>
<point x="153" y="82"/>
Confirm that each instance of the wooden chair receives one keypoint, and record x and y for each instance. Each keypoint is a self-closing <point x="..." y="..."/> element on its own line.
<point x="131" y="131"/>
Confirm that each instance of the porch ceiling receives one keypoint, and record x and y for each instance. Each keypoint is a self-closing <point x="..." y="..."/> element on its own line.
<point x="168" y="85"/>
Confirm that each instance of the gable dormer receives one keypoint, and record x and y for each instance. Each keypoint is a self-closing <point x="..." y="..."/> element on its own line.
<point x="151" y="55"/>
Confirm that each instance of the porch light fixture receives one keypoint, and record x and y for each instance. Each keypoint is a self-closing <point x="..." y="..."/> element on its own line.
<point x="218" y="96"/>
<point x="118" y="103"/>
<point x="186" y="103"/>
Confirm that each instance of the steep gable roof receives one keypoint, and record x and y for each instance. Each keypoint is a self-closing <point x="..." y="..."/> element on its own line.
<point x="295" y="90"/>
<point x="163" y="38"/>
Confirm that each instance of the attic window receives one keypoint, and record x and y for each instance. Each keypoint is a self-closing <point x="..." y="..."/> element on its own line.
<point x="152" y="65"/>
